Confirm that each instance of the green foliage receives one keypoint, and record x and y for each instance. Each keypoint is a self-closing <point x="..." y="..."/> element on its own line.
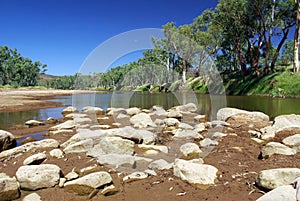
<point x="279" y="84"/>
<point x="195" y="84"/>
<point x="238" y="36"/>
<point x="287" y="56"/>
<point x="143" y="88"/>
<point x="287" y="84"/>
<point x="17" y="71"/>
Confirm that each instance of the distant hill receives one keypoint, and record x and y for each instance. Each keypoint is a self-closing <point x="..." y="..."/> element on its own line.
<point x="47" y="77"/>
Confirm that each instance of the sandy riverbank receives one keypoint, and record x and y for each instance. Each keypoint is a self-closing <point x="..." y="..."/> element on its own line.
<point x="31" y="99"/>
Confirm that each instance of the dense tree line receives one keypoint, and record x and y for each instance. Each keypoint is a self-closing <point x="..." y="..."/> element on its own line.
<point x="17" y="71"/>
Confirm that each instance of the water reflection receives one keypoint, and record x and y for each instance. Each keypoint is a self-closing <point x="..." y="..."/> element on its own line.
<point x="10" y="119"/>
<point x="207" y="104"/>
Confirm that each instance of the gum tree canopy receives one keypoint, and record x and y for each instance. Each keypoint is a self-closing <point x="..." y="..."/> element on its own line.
<point x="17" y="71"/>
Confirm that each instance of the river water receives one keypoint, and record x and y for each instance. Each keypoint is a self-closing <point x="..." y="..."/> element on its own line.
<point x="207" y="104"/>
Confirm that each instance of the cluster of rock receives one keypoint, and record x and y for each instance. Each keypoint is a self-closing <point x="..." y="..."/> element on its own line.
<point x="281" y="183"/>
<point x="115" y="146"/>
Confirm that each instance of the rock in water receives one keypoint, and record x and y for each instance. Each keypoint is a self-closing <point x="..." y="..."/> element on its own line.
<point x="224" y="113"/>
<point x="190" y="107"/>
<point x="33" y="177"/>
<point x="93" y="110"/>
<point x="31" y="123"/>
<point x="69" y="110"/>
<point x="51" y="120"/>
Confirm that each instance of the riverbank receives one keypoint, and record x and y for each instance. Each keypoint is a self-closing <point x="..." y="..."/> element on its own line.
<point x="23" y="99"/>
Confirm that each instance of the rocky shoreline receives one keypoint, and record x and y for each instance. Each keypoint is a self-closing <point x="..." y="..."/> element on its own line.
<point x="130" y="154"/>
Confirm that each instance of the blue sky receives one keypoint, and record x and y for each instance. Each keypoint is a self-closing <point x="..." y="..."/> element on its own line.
<point x="63" y="33"/>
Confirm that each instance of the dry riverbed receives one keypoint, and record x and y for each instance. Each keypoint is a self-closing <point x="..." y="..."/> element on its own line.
<point x="237" y="151"/>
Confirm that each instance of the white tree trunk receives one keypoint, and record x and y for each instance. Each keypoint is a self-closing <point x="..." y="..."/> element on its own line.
<point x="184" y="77"/>
<point x="167" y="70"/>
<point x="296" y="39"/>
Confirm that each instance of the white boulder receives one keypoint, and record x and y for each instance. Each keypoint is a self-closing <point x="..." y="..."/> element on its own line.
<point x="7" y="140"/>
<point x="135" y="176"/>
<point x="160" y="148"/>
<point x="47" y="143"/>
<point x="116" y="160"/>
<point x="133" y="111"/>
<point x="32" y="197"/>
<point x="33" y="177"/>
<point x="34" y="123"/>
<point x="159" y="111"/>
<point x="276" y="148"/>
<point x="190" y="107"/>
<point x="224" y="113"/>
<point x="93" y="110"/>
<point x="35" y="159"/>
<point x="292" y="141"/>
<point x="88" y="183"/>
<point x="142" y="120"/>
<point x="197" y="174"/>
<point x="112" y="145"/>
<point x="69" y="124"/>
<point x="160" y="164"/>
<point x="190" y="151"/>
<point x="9" y="188"/>
<point x="69" y="110"/>
<point x="81" y="146"/>
<point x="282" y="193"/>
<point x="171" y="122"/>
<point x="189" y="134"/>
<point x="56" y="153"/>
<point x="208" y="142"/>
<point x="273" y="178"/>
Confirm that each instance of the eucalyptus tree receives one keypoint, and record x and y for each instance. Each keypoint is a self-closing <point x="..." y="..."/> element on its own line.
<point x="231" y="19"/>
<point x="18" y="71"/>
<point x="285" y="19"/>
<point x="249" y="27"/>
